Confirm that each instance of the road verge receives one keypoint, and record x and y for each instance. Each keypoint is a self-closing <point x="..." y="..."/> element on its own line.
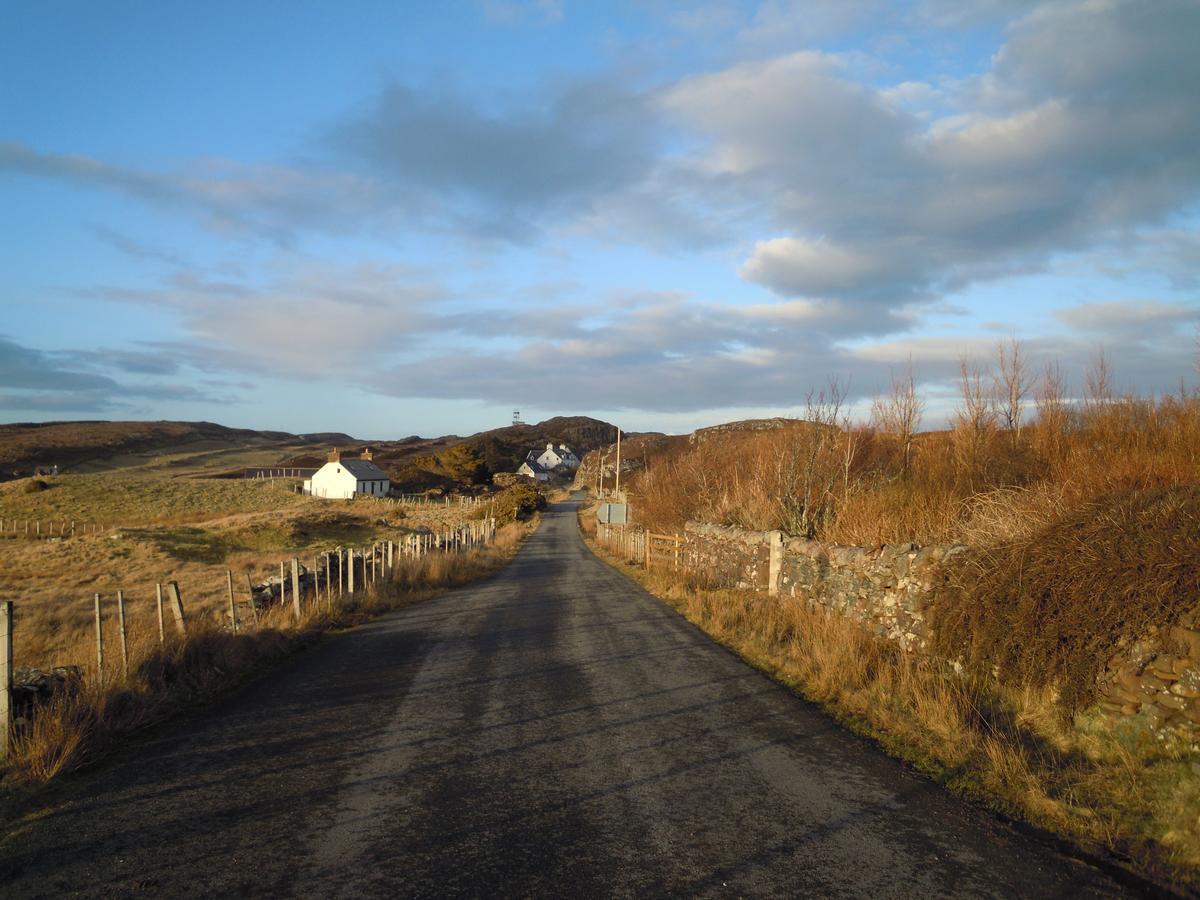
<point x="1132" y="814"/>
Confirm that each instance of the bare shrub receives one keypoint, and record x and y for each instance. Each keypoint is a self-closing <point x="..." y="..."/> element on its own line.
<point x="1054" y="414"/>
<point x="973" y="423"/>
<point x="1012" y="388"/>
<point x="898" y="413"/>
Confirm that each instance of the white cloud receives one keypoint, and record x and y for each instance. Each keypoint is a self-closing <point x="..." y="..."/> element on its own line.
<point x="1145" y="318"/>
<point x="1056" y="149"/>
<point x="796" y="266"/>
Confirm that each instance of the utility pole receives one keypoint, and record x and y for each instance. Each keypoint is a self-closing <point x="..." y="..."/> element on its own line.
<point x="600" y="474"/>
<point x="617" y="489"/>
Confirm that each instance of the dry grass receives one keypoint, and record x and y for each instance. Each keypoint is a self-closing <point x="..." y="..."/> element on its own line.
<point x="1050" y="608"/>
<point x="78" y="725"/>
<point x="1136" y="800"/>
<point x="128" y="499"/>
<point x="53" y="581"/>
<point x="852" y="486"/>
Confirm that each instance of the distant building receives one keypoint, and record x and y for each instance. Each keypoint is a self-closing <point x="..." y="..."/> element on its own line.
<point x="532" y="468"/>
<point x="553" y="457"/>
<point x="342" y="479"/>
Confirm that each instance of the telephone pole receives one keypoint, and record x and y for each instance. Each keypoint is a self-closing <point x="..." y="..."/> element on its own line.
<point x="600" y="473"/>
<point x="617" y="489"/>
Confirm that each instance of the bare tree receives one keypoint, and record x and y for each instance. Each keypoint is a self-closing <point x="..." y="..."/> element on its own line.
<point x="1012" y="387"/>
<point x="810" y="462"/>
<point x="1050" y="397"/>
<point x="975" y="419"/>
<point x="851" y="438"/>
<point x="898" y="413"/>
<point x="1097" y="382"/>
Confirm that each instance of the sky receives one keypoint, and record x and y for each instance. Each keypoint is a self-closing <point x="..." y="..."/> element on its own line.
<point x="395" y="218"/>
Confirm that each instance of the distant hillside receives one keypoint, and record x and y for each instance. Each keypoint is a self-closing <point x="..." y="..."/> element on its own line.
<point x="742" y="426"/>
<point x="66" y="444"/>
<point x="450" y="462"/>
<point x="453" y="462"/>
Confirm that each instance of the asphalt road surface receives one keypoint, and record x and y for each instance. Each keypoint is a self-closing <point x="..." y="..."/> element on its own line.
<point x="554" y="731"/>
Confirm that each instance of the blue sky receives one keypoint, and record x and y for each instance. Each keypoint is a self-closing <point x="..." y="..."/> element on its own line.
<point x="397" y="218"/>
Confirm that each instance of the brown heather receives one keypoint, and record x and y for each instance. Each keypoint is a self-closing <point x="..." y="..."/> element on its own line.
<point x="1084" y="526"/>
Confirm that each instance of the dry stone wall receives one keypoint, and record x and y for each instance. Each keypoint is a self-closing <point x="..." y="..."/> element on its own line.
<point x="885" y="588"/>
<point x="1153" y="683"/>
<point x="726" y="557"/>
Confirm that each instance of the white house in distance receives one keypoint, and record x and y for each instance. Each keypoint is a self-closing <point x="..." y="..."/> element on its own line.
<point x="532" y="468"/>
<point x="343" y="478"/>
<point x="553" y="457"/>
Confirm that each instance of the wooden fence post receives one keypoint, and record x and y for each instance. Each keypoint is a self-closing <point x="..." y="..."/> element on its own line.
<point x="233" y="622"/>
<point x="6" y="676"/>
<point x="99" y="641"/>
<point x="124" y="637"/>
<point x="175" y="601"/>
<point x="328" y="582"/>
<point x="350" y="571"/>
<point x="253" y="608"/>
<point x="296" y="587"/>
<point x="162" y="632"/>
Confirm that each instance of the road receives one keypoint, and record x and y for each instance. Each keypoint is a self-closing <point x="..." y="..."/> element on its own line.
<point x="552" y="731"/>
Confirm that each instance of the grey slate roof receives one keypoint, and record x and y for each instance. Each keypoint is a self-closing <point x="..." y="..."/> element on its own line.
<point x="363" y="469"/>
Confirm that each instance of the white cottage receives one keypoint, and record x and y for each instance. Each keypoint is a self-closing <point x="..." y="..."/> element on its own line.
<point x="553" y="457"/>
<point x="531" y="468"/>
<point x="343" y="478"/>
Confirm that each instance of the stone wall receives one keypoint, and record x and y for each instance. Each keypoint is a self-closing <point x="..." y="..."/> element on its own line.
<point x="885" y="588"/>
<point x="1155" y="681"/>
<point x="1152" y="683"/>
<point x="726" y="557"/>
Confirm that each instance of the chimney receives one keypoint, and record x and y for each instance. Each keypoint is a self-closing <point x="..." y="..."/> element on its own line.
<point x="335" y="455"/>
<point x="366" y="454"/>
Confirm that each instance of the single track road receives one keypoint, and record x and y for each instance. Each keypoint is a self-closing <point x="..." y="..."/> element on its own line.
<point x="552" y="731"/>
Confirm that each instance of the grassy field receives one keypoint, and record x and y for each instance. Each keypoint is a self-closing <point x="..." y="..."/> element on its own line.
<point x="190" y="530"/>
<point x="77" y="726"/>
<point x="143" y="498"/>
